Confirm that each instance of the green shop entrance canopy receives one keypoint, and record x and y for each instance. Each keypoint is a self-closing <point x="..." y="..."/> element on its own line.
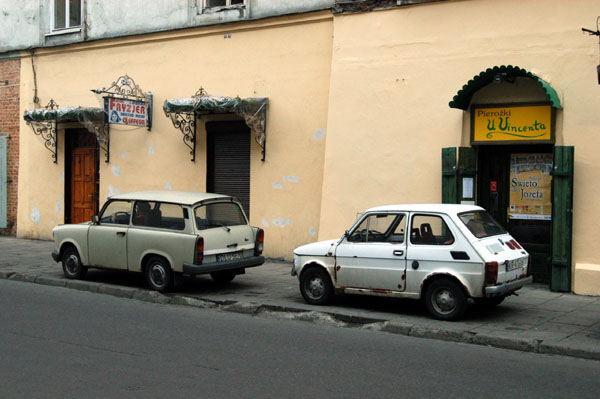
<point x="184" y="111"/>
<point x="462" y="99"/>
<point x="44" y="122"/>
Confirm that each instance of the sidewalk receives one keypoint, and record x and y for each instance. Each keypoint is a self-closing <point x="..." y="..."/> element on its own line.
<point x="537" y="320"/>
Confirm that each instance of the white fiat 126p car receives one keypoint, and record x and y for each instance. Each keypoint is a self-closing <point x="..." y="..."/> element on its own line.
<point x="160" y="233"/>
<point x="442" y="253"/>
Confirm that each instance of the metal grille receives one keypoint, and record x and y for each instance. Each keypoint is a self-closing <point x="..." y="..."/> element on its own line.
<point x="228" y="169"/>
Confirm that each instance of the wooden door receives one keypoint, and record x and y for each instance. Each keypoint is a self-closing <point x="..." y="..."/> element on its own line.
<point x="84" y="203"/>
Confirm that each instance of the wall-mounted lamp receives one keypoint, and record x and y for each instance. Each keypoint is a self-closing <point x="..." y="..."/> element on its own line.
<point x="595" y="33"/>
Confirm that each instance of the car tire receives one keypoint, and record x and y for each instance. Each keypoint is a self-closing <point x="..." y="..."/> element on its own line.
<point x="159" y="274"/>
<point x="316" y="287"/>
<point x="71" y="264"/>
<point x="445" y="300"/>
<point x="222" y="277"/>
<point x="489" y="302"/>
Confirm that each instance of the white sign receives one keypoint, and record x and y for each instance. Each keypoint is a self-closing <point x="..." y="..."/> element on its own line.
<point x="126" y="112"/>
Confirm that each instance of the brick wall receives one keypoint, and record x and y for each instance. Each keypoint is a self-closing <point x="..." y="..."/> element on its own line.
<point x="10" y="70"/>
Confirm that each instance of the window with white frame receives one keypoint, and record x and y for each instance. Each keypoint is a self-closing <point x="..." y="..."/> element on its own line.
<point x="220" y="4"/>
<point x="65" y="14"/>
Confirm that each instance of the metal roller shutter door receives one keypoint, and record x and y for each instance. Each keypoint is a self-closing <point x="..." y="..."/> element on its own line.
<point x="228" y="160"/>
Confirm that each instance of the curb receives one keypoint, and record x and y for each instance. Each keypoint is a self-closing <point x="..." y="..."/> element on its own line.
<point x="332" y="319"/>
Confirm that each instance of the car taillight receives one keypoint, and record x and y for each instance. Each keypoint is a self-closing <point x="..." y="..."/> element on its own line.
<point x="491" y="272"/>
<point x="510" y="244"/>
<point x="516" y="244"/>
<point x="259" y="244"/>
<point x="199" y="250"/>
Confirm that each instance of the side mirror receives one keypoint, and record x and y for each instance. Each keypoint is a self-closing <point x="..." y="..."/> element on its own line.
<point x="95" y="219"/>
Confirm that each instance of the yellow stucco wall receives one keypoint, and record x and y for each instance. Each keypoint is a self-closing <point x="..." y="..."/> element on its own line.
<point x="394" y="72"/>
<point x="285" y="59"/>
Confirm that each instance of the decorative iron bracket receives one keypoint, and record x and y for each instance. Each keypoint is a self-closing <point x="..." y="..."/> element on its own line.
<point x="48" y="131"/>
<point x="186" y="122"/>
<point x="125" y="88"/>
<point x="102" y="133"/>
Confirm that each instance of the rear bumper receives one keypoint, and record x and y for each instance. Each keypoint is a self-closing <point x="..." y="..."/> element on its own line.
<point x="507" y="288"/>
<point x="252" y="261"/>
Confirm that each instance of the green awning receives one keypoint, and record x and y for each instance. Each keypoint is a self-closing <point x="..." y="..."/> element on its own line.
<point x="253" y="110"/>
<point x="462" y="99"/>
<point x="183" y="112"/>
<point x="44" y="122"/>
<point x="68" y="114"/>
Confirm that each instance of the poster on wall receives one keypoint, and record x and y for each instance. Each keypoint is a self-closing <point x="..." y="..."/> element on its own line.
<point x="530" y="186"/>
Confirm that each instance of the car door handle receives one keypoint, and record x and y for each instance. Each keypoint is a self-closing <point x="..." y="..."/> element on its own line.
<point x="121" y="233"/>
<point x="398" y="252"/>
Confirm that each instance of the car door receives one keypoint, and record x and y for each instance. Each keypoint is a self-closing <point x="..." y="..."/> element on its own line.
<point x="107" y="239"/>
<point x="436" y="246"/>
<point x="373" y="254"/>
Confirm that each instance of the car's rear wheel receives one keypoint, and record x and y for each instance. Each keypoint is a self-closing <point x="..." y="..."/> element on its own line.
<point x="316" y="287"/>
<point x="222" y="277"/>
<point x="489" y="302"/>
<point x="445" y="300"/>
<point x="159" y="274"/>
<point x="71" y="264"/>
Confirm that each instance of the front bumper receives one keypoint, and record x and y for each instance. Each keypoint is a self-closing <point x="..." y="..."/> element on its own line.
<point x="251" y="261"/>
<point x="507" y="288"/>
<point x="55" y="256"/>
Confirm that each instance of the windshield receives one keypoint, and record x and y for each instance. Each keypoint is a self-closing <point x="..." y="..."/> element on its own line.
<point x="481" y="224"/>
<point x="218" y="214"/>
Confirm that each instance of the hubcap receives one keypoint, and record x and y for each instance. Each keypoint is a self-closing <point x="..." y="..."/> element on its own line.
<point x="444" y="301"/>
<point x="158" y="274"/>
<point x="72" y="264"/>
<point x="315" y="287"/>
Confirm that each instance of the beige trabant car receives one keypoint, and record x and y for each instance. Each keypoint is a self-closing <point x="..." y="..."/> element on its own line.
<point x="441" y="253"/>
<point x="160" y="233"/>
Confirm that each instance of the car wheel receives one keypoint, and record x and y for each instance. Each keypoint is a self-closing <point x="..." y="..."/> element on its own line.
<point x="71" y="264"/>
<point x="316" y="287"/>
<point x="489" y="302"/>
<point x="445" y="300"/>
<point x="159" y="274"/>
<point x="222" y="277"/>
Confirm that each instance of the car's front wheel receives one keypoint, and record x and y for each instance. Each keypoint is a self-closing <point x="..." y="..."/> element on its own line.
<point x="445" y="300"/>
<point x="71" y="264"/>
<point x="159" y="274"/>
<point x="316" y="287"/>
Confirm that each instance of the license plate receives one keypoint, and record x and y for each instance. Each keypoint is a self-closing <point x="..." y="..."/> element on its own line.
<point x="229" y="256"/>
<point x="516" y="264"/>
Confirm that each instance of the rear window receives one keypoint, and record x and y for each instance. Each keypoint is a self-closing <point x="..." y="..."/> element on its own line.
<point x="218" y="215"/>
<point x="481" y="224"/>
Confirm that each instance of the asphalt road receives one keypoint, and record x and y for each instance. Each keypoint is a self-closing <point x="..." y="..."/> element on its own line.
<point x="61" y="343"/>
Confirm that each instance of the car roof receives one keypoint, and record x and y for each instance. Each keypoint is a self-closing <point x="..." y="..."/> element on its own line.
<point x="179" y="197"/>
<point x="443" y="208"/>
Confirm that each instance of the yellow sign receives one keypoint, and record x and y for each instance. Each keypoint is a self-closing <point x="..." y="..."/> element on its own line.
<point x="517" y="123"/>
<point x="530" y="186"/>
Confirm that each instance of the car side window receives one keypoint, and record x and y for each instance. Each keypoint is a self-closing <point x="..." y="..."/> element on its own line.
<point x="430" y="230"/>
<point x="116" y="212"/>
<point x="159" y="215"/>
<point x="380" y="228"/>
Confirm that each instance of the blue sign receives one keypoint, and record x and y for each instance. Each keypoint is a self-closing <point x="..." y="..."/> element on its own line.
<point x="3" y="182"/>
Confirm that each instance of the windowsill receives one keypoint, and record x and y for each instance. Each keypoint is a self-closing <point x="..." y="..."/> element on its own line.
<point x="59" y="32"/>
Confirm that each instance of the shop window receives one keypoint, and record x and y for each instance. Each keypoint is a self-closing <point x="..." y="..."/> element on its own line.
<point x="66" y="14"/>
